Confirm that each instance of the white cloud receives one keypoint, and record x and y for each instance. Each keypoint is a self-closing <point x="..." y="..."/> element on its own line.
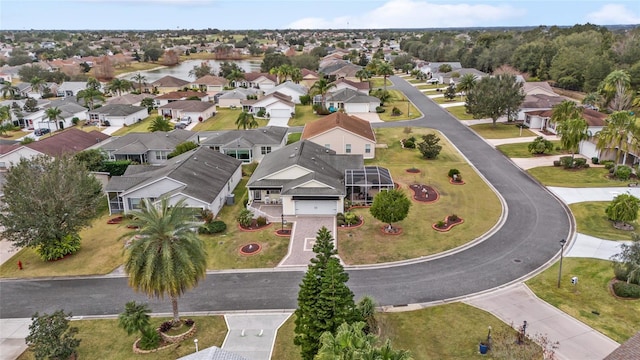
<point x="613" y="14"/>
<point x="415" y="14"/>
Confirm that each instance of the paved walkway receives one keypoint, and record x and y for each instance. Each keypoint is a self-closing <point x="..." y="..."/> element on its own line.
<point x="253" y="335"/>
<point x="517" y="303"/>
<point x="303" y="237"/>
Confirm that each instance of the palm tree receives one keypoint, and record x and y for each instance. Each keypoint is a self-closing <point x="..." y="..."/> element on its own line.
<point x="246" y="121"/>
<point x="90" y="95"/>
<point x="119" y="85"/>
<point x="349" y="342"/>
<point x="166" y="256"/>
<point x="37" y="84"/>
<point x="140" y="79"/>
<point x="134" y="318"/>
<point x="564" y="111"/>
<point x="467" y="82"/>
<point x="9" y="89"/>
<point x="159" y="123"/>
<point x="572" y="132"/>
<point x="54" y="114"/>
<point x="592" y="99"/>
<point x="363" y="74"/>
<point x="321" y="87"/>
<point x="609" y="85"/>
<point x="235" y="75"/>
<point x="93" y="83"/>
<point x="617" y="133"/>
<point x="296" y="75"/>
<point x="386" y="70"/>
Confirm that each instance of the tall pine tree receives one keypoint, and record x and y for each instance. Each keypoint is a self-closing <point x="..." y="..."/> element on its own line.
<point x="324" y="300"/>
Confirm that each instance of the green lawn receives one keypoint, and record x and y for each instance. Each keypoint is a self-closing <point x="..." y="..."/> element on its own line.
<point x="617" y="319"/>
<point x="590" y="177"/>
<point x="460" y="112"/>
<point x="501" y="131"/>
<point x="378" y="82"/>
<point x="224" y="119"/>
<point x="475" y="202"/>
<point x="429" y="86"/>
<point x="400" y="101"/>
<point x="521" y="150"/>
<point x="443" y="100"/>
<point x="592" y="220"/>
<point x="450" y="331"/>
<point x="103" y="339"/>
<point x="304" y="114"/>
<point x="135" y="67"/>
<point x="293" y="137"/>
<point x="13" y="135"/>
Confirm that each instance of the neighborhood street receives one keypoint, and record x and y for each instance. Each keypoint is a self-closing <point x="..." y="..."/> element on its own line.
<point x="526" y="240"/>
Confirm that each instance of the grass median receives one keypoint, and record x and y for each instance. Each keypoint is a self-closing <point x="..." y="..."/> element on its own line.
<point x="501" y="131"/>
<point x="574" y="178"/>
<point x="521" y="150"/>
<point x="592" y="220"/>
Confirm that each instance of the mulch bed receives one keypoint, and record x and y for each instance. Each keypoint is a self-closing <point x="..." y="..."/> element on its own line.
<point x="456" y="182"/>
<point x="413" y="171"/>
<point x="613" y="293"/>
<point x="359" y="222"/>
<point x="115" y="220"/>
<point x="424" y="193"/>
<point x="394" y="230"/>
<point x="254" y="226"/>
<point x="285" y="232"/>
<point x="448" y="224"/>
<point x="250" y="249"/>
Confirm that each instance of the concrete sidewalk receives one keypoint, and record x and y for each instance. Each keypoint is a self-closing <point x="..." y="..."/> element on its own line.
<point x="575" y="195"/>
<point x="12" y="335"/>
<point x="253" y="335"/>
<point x="518" y="303"/>
<point x="587" y="246"/>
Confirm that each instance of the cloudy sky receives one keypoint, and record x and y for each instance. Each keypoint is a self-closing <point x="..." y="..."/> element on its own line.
<point x="305" y="14"/>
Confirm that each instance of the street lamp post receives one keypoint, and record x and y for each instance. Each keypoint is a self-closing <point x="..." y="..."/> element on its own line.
<point x="562" y="242"/>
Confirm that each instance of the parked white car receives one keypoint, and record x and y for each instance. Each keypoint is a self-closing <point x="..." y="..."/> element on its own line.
<point x="185" y="120"/>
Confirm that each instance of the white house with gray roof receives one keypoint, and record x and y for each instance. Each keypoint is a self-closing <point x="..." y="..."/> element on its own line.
<point x="304" y="178"/>
<point x="145" y="148"/>
<point x="351" y="101"/>
<point x="203" y="177"/>
<point x="246" y="145"/>
<point x="197" y="110"/>
<point x="118" y="114"/>
<point x="71" y="88"/>
<point x="291" y="89"/>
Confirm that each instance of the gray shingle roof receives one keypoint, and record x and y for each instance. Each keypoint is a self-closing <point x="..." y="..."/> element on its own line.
<point x="288" y="84"/>
<point x="270" y="135"/>
<point x="158" y="140"/>
<point x="204" y="172"/>
<point x="118" y="109"/>
<point x="347" y="95"/>
<point x="188" y="105"/>
<point x="327" y="167"/>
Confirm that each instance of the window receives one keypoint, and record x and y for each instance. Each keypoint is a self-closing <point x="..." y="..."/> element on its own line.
<point x="367" y="148"/>
<point x="347" y="149"/>
<point x="161" y="155"/>
<point x="265" y="150"/>
<point x="94" y="116"/>
<point x="215" y="148"/>
<point x="134" y="203"/>
<point x="271" y="192"/>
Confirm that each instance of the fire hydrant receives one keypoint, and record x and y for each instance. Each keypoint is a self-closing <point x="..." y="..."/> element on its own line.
<point x="19" y="264"/>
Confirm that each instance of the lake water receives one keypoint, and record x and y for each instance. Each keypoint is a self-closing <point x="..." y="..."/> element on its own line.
<point x="181" y="71"/>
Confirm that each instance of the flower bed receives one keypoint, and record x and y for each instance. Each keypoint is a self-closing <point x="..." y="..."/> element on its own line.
<point x="447" y="224"/>
<point x="254" y="226"/>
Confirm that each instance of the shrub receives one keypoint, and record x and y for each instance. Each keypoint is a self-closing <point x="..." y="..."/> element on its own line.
<point x="540" y="145"/>
<point x="75" y="120"/>
<point x="261" y="113"/>
<point x="623" y="289"/>
<point x="623" y="172"/>
<point x="189" y="322"/>
<point x="213" y="227"/>
<point x="166" y="326"/>
<point x="556" y="162"/>
<point x="305" y="99"/>
<point x="580" y="162"/>
<point x="116" y="168"/>
<point x="429" y="147"/>
<point x="350" y="218"/>
<point x="206" y="215"/>
<point x="608" y="164"/>
<point x="65" y="246"/>
<point x="261" y="221"/>
<point x="395" y="111"/>
<point x="453" y="172"/>
<point x="340" y="222"/>
<point x="566" y="161"/>
<point x="409" y="144"/>
<point x="245" y="218"/>
<point x="594" y="160"/>
<point x="150" y="339"/>
<point x="453" y="217"/>
<point x="441" y="224"/>
<point x="620" y="272"/>
<point x="340" y="216"/>
<point x="380" y="109"/>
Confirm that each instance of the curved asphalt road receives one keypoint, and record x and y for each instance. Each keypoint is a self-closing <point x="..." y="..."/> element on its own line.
<point x="528" y="239"/>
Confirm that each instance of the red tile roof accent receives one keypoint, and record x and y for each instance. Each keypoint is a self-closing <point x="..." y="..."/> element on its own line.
<point x="338" y="119"/>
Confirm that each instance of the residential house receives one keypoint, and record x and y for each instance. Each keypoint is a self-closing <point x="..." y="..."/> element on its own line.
<point x="128" y="99"/>
<point x="145" y="148"/>
<point x="69" y="109"/>
<point x="309" y="77"/>
<point x="305" y="178"/>
<point x="430" y="68"/>
<point x="341" y="70"/>
<point x="275" y="105"/>
<point x="195" y="109"/>
<point x="351" y="101"/>
<point x="209" y="84"/>
<point x="66" y="142"/>
<point x="233" y="98"/>
<point x="629" y="350"/>
<point x="537" y="102"/>
<point x="118" y="114"/>
<point x="453" y="77"/>
<point x="169" y="97"/>
<point x="247" y="145"/>
<point x="262" y="81"/>
<point x="5" y="77"/>
<point x="360" y="86"/>
<point x="342" y="133"/>
<point x="71" y="88"/>
<point x="204" y="178"/>
<point x="290" y="89"/>
<point x="167" y="84"/>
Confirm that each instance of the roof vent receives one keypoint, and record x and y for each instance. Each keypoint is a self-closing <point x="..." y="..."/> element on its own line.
<point x="314" y="159"/>
<point x="195" y="158"/>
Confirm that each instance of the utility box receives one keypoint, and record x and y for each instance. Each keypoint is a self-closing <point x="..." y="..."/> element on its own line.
<point x="230" y="199"/>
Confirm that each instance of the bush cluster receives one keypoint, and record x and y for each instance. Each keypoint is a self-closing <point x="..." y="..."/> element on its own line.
<point x="166" y="326"/>
<point x="623" y="172"/>
<point x="395" y="111"/>
<point x="380" y="109"/>
<point x="261" y="221"/>
<point x="410" y="143"/>
<point x="213" y="227"/>
<point x="453" y="172"/>
<point x="625" y="290"/>
<point x="568" y="162"/>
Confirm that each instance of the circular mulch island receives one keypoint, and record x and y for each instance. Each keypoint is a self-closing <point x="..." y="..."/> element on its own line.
<point x="393" y="231"/>
<point x="413" y="171"/>
<point x="456" y="182"/>
<point x="424" y="193"/>
<point x="285" y="232"/>
<point x="250" y="249"/>
<point x="359" y="222"/>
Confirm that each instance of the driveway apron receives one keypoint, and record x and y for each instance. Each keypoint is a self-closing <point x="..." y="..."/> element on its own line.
<point x="304" y="234"/>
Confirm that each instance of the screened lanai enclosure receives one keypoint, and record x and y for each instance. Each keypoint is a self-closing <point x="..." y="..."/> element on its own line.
<point x="362" y="185"/>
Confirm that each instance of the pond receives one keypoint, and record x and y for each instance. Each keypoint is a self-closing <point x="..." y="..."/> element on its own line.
<point x="181" y="71"/>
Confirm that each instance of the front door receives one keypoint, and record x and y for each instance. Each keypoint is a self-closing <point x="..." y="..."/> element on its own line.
<point x="257" y="195"/>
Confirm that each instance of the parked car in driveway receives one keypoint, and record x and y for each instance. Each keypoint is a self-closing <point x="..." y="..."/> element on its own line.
<point x="41" y="131"/>
<point x="185" y="120"/>
<point x="180" y="125"/>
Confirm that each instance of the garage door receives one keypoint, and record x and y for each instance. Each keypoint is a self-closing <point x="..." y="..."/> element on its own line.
<point x="280" y="113"/>
<point x="316" y="207"/>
